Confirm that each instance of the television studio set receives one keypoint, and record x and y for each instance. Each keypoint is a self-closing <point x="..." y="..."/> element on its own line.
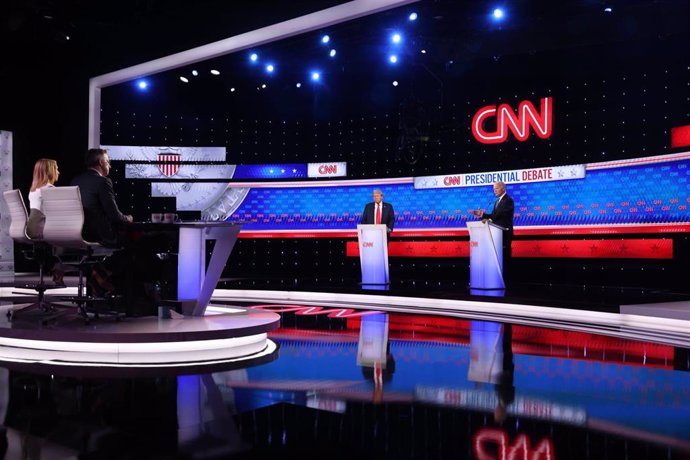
<point x="391" y="229"/>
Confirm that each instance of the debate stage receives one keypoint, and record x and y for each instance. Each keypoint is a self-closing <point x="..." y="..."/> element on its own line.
<point x="233" y="333"/>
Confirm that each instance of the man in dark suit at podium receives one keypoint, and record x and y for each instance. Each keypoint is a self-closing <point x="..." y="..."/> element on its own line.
<point x="379" y="212"/>
<point x="502" y="215"/>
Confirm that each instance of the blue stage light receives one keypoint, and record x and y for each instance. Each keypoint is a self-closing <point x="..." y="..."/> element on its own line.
<point x="325" y="39"/>
<point x="412" y="17"/>
<point x="315" y="76"/>
<point x="332" y="53"/>
<point x="396" y="38"/>
<point x="299" y="85"/>
<point x="270" y="68"/>
<point x="142" y="84"/>
<point x="253" y="57"/>
<point x="498" y="13"/>
<point x="393" y="59"/>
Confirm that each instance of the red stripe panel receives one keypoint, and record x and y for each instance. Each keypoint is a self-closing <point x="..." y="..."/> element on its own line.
<point x="661" y="248"/>
<point x="419" y="249"/>
<point x="555" y="230"/>
<point x="680" y="136"/>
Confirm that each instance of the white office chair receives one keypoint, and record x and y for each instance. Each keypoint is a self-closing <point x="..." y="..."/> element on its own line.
<point x="63" y="229"/>
<point x="39" y="252"/>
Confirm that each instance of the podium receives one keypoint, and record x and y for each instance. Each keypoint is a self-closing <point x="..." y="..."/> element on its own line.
<point x="373" y="253"/>
<point x="486" y="255"/>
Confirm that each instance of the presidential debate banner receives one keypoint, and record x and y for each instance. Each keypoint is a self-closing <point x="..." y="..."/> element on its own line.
<point x="518" y="176"/>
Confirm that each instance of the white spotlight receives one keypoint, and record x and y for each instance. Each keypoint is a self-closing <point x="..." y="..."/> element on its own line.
<point x="325" y="39"/>
<point x="195" y="73"/>
<point x="232" y="90"/>
<point x="263" y="86"/>
<point x="393" y="58"/>
<point x="395" y="82"/>
<point x="332" y="53"/>
<point x="412" y="17"/>
<point x="396" y="38"/>
<point x="215" y="72"/>
<point x="498" y="13"/>
<point x="184" y="79"/>
<point x="299" y="85"/>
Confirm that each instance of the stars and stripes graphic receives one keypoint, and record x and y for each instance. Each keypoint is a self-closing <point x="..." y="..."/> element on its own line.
<point x="169" y="163"/>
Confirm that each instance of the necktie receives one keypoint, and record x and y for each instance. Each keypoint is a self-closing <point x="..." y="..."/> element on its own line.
<point x="378" y="214"/>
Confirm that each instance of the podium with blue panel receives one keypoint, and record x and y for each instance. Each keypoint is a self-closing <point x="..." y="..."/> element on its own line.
<point x="486" y="255"/>
<point x="373" y="253"/>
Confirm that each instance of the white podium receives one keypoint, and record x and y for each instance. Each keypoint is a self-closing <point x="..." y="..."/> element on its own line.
<point x="486" y="255"/>
<point x="195" y="283"/>
<point x="373" y="253"/>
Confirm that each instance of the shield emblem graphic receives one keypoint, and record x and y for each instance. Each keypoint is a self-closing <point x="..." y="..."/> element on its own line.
<point x="169" y="163"/>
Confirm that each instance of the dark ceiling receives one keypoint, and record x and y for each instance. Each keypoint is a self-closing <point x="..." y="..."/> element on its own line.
<point x="44" y="75"/>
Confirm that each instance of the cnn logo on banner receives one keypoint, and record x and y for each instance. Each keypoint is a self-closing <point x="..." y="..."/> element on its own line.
<point x="328" y="169"/>
<point x="336" y="169"/>
<point x="518" y="123"/>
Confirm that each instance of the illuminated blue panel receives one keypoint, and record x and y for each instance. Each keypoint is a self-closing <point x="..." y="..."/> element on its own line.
<point x="653" y="193"/>
<point x="275" y="171"/>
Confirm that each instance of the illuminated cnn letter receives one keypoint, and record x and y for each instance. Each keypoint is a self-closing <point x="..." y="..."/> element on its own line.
<point x="519" y="124"/>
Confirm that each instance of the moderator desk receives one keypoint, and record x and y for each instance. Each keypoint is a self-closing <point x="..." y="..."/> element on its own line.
<point x="195" y="283"/>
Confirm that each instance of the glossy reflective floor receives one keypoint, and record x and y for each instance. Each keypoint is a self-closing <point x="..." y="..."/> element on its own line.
<point x="372" y="385"/>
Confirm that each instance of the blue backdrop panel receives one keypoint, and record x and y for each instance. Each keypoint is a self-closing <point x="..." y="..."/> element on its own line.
<point x="655" y="193"/>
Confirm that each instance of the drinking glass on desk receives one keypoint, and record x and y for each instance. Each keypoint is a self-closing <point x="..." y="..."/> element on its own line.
<point x="156" y="218"/>
<point x="170" y="217"/>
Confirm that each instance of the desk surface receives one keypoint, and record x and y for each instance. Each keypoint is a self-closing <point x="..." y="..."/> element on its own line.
<point x="173" y="225"/>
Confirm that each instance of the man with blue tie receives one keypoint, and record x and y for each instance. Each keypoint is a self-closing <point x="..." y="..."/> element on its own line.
<point x="379" y="212"/>
<point x="502" y="215"/>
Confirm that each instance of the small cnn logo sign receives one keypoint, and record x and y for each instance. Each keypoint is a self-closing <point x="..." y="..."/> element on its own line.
<point x="452" y="180"/>
<point x="336" y="169"/>
<point x="368" y="244"/>
<point x="474" y="244"/>
<point x="507" y="120"/>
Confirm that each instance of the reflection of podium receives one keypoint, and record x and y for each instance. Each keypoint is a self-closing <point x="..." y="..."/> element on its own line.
<point x="373" y="253"/>
<point x="486" y="255"/>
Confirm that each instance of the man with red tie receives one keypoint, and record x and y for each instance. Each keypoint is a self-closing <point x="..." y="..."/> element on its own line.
<point x="379" y="212"/>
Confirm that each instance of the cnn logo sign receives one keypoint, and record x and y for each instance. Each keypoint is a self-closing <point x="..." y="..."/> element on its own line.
<point x="334" y="169"/>
<point x="519" y="124"/>
<point x="452" y="180"/>
<point x="328" y="169"/>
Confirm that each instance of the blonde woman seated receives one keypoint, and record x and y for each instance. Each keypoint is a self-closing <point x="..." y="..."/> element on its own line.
<point x="46" y="173"/>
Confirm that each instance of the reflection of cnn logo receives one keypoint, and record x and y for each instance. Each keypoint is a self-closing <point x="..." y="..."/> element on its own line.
<point x="494" y="444"/>
<point x="518" y="124"/>
<point x="368" y="244"/>
<point x="452" y="180"/>
<point x="328" y="169"/>
<point x="474" y="244"/>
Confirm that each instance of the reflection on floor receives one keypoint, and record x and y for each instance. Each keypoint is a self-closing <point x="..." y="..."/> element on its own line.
<point x="379" y="385"/>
